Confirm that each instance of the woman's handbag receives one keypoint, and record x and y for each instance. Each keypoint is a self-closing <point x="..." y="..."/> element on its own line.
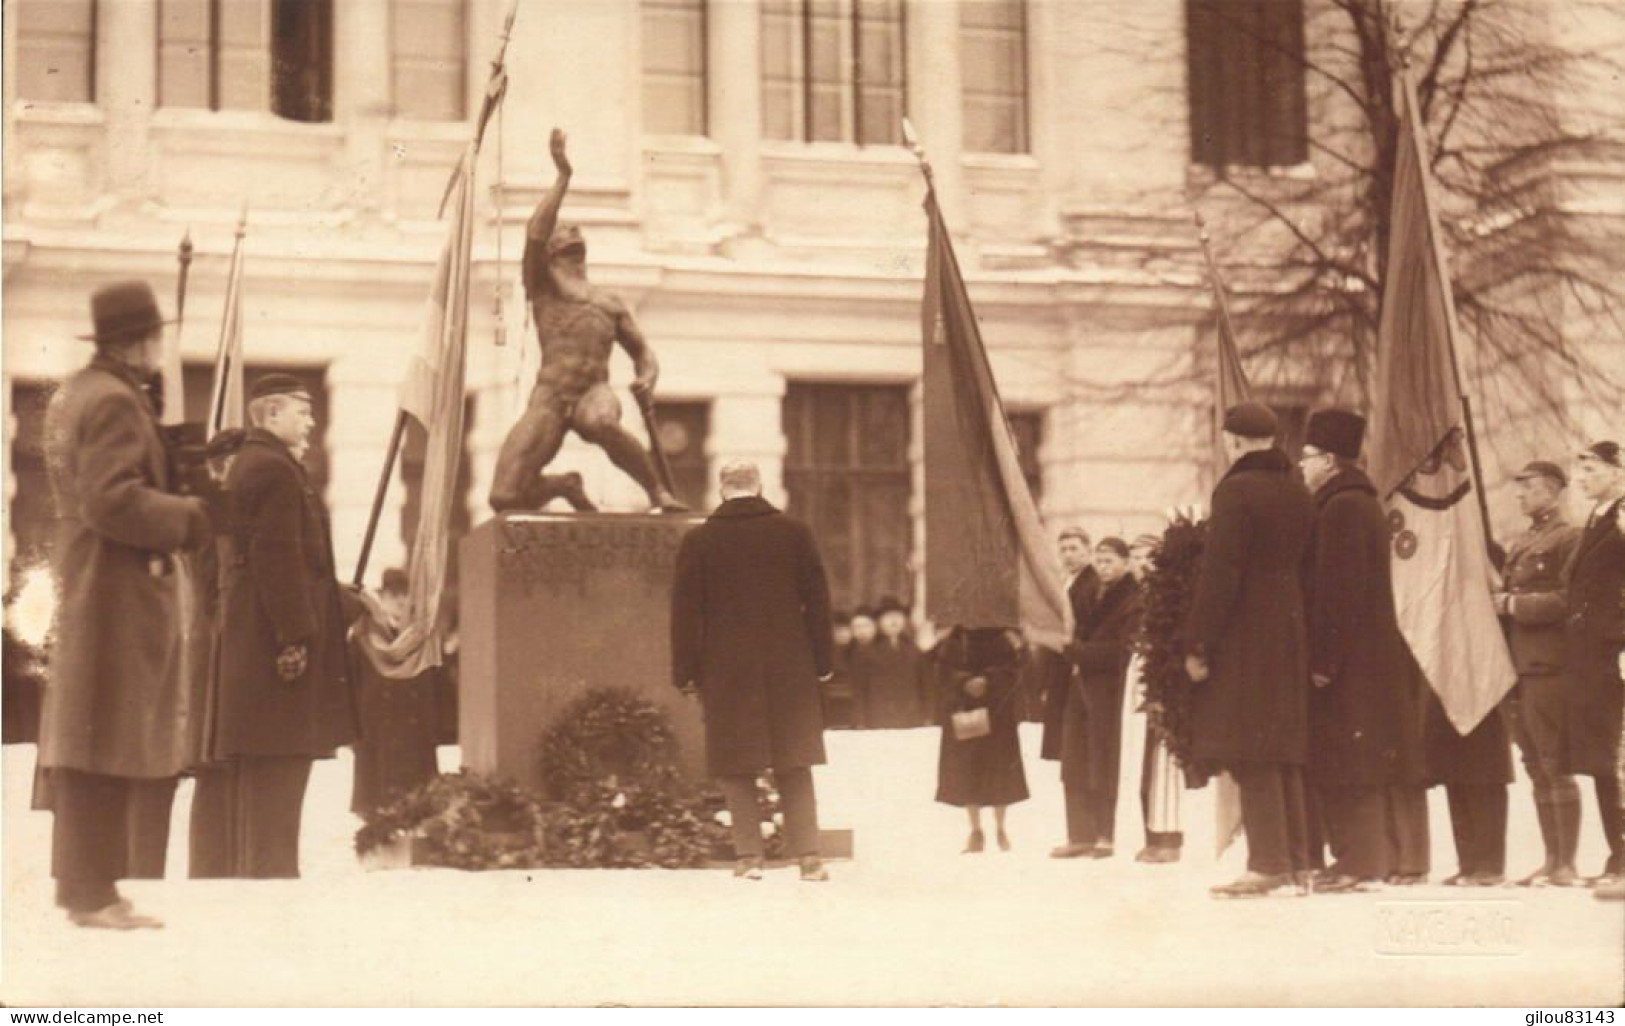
<point x="970" y="724"/>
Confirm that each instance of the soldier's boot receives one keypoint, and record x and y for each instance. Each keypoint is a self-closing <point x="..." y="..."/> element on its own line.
<point x="1548" y="838"/>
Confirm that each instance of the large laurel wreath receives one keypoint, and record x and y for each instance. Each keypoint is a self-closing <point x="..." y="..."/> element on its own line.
<point x="1168" y="592"/>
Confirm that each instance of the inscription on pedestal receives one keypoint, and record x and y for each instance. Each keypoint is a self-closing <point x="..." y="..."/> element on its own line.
<point x="553" y="606"/>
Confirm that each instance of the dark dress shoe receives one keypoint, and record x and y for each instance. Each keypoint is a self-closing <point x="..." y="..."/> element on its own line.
<point x="1406" y="879"/>
<point x="1454" y="880"/>
<point x="1338" y="883"/>
<point x="117" y="916"/>
<point x="812" y="869"/>
<point x="748" y="869"/>
<point x="1101" y="850"/>
<point x="1614" y="891"/>
<point x="975" y="844"/>
<point x="1156" y="854"/>
<point x="1485" y="879"/>
<point x="1072" y="851"/>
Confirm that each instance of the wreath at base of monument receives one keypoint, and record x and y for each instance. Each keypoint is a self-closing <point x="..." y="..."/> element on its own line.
<point x="1169" y="588"/>
<point x="462" y="821"/>
<point x="608" y="733"/>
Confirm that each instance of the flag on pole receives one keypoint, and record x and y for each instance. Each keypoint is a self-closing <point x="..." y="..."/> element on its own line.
<point x="1230" y="387"/>
<point x="1421" y="462"/>
<point x="170" y="365"/>
<point x="226" y="397"/>
<point x="988" y="561"/>
<point x="432" y="394"/>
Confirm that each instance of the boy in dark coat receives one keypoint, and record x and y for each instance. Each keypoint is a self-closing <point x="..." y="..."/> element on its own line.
<point x="282" y="692"/>
<point x="1248" y="649"/>
<point x="1365" y="742"/>
<point x="750" y="634"/>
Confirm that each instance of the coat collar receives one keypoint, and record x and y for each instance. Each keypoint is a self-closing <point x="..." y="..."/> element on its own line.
<point x="125" y="373"/>
<point x="1348" y="479"/>
<point x="745" y="506"/>
<point x="1270" y="461"/>
<point x="260" y="436"/>
<point x="1111" y="598"/>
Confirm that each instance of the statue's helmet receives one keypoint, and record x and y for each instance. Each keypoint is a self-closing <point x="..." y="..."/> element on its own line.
<point x="567" y="238"/>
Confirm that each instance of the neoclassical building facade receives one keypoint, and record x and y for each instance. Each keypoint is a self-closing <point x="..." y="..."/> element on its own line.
<point x="741" y="181"/>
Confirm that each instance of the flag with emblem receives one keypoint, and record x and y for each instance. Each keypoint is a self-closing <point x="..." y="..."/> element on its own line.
<point x="988" y="562"/>
<point x="1422" y="463"/>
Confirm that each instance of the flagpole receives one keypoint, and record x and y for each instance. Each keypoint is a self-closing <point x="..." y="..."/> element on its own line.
<point x="1213" y="278"/>
<point x="1418" y="142"/>
<point x="222" y="360"/>
<point x="496" y="90"/>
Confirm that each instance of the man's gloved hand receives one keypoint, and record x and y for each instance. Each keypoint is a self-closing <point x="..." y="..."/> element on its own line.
<point x="291" y="662"/>
<point x="1196" y="668"/>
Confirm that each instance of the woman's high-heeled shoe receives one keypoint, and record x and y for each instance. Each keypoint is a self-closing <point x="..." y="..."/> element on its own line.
<point x="976" y="844"/>
<point x="1004" y="841"/>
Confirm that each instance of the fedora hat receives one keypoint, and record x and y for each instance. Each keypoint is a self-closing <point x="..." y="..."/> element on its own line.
<point x="124" y="311"/>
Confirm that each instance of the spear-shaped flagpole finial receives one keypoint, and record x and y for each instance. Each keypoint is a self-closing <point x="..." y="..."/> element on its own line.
<point x="183" y="256"/>
<point x="242" y="220"/>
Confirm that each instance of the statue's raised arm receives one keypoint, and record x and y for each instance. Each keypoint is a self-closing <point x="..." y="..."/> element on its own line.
<point x="539" y="231"/>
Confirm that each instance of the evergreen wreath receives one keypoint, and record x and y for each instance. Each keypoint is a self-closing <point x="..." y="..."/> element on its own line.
<point x="608" y="733"/>
<point x="463" y="821"/>
<point x="1169" y="590"/>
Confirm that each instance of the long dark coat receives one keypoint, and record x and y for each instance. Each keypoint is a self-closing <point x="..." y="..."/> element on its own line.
<point x="1364" y="726"/>
<point x="1596" y="631"/>
<point x="277" y="588"/>
<point x="750" y="626"/>
<point x="1093" y="733"/>
<point x="1247" y="617"/>
<point x="116" y="701"/>
<point x="1082" y="593"/>
<point x="983" y="770"/>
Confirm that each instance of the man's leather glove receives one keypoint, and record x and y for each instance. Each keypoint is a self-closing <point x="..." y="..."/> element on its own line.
<point x="291" y="663"/>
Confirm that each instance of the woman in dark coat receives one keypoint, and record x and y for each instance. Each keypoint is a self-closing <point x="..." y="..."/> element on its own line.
<point x="1092" y="732"/>
<point x="976" y="669"/>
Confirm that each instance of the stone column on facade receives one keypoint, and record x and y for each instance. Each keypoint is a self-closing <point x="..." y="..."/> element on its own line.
<point x="750" y="426"/>
<point x="10" y="179"/>
<point x="935" y="103"/>
<point x="734" y="111"/>
<point x="127" y="89"/>
<point x="363" y="93"/>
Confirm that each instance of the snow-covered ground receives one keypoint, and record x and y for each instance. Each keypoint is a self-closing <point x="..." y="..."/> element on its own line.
<point x="909" y="921"/>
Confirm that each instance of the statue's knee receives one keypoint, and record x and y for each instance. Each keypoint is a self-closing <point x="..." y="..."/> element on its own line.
<point x="504" y="497"/>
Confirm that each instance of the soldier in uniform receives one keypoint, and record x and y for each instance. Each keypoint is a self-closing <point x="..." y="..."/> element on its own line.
<point x="1533" y="607"/>
<point x="577" y="325"/>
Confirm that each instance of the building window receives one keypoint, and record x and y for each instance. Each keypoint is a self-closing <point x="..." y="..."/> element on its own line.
<point x="56" y="50"/>
<point x="847" y="475"/>
<point x="993" y="49"/>
<point x="1248" y="106"/>
<point x="832" y="70"/>
<point x="674" y="67"/>
<point x="1028" y="427"/>
<point x="274" y="55"/>
<point x="684" y="427"/>
<point x="429" y="59"/>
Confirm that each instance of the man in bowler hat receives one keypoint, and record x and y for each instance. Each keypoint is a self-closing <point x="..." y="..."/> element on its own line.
<point x="1365" y="751"/>
<point x="1248" y="649"/>
<point x="114" y="719"/>
<point x="1533" y="606"/>
<point x="282" y="694"/>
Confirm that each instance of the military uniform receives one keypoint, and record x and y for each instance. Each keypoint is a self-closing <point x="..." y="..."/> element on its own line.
<point x="1534" y="612"/>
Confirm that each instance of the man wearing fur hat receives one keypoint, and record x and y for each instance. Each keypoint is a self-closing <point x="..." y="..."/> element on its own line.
<point x="1533" y="606"/>
<point x="282" y="693"/>
<point x="115" y="714"/>
<point x="1364" y="724"/>
<point x="1248" y="649"/>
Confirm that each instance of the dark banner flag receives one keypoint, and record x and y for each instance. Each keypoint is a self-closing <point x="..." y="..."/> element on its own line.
<point x="1422" y="463"/>
<point x="988" y="562"/>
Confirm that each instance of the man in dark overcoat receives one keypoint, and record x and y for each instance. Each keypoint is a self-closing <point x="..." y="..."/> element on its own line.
<point x="751" y="636"/>
<point x="115" y="713"/>
<point x="283" y="697"/>
<point x="1082" y="588"/>
<point x="1365" y="735"/>
<point x="1533" y="606"/>
<point x="1248" y="649"/>
<point x="1596" y="633"/>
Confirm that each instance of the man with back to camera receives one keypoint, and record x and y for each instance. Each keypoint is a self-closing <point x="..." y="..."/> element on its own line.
<point x="751" y="636"/>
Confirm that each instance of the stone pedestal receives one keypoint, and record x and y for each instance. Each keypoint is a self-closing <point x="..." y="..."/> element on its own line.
<point x="553" y="605"/>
